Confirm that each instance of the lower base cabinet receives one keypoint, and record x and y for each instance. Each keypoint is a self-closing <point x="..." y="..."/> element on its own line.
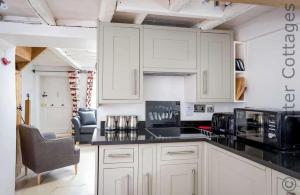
<point x="118" y="181"/>
<point x="228" y="173"/>
<point x="147" y="169"/>
<point x="192" y="168"/>
<point x="117" y="170"/>
<point x="178" y="179"/>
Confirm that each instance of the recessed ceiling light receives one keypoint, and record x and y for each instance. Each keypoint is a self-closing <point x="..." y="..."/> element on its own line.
<point x="3" y="5"/>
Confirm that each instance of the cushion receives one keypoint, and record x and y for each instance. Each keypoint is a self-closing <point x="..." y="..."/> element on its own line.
<point x="88" y="129"/>
<point x="87" y="118"/>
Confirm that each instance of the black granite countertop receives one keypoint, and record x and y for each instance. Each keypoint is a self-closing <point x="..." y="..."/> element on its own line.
<point x="143" y="137"/>
<point x="287" y="162"/>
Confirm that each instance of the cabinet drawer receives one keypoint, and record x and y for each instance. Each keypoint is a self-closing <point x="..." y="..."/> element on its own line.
<point x="118" y="155"/>
<point x="179" y="152"/>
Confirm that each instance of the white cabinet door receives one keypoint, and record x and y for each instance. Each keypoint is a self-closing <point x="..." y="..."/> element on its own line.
<point x="170" y="49"/>
<point x="284" y="185"/>
<point x="231" y="174"/>
<point x="120" y="63"/>
<point x="178" y="179"/>
<point x="147" y="169"/>
<point x="118" y="181"/>
<point x="215" y="80"/>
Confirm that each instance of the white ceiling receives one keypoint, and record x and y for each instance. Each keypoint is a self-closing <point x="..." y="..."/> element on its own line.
<point x="85" y="13"/>
<point x="75" y="9"/>
<point x="48" y="58"/>
<point x="85" y="58"/>
<point x="17" y="8"/>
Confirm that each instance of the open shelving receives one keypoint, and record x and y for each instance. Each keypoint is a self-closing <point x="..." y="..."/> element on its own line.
<point x="240" y="76"/>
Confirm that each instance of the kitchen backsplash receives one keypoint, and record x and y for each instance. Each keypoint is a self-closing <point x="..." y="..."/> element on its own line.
<point x="139" y="109"/>
<point x="163" y="88"/>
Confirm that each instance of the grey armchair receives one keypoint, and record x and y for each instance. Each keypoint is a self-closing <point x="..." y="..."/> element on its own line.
<point x="84" y="124"/>
<point x="44" y="152"/>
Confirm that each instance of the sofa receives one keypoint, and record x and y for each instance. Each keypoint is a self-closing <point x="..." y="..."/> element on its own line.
<point x="44" y="152"/>
<point x="84" y="124"/>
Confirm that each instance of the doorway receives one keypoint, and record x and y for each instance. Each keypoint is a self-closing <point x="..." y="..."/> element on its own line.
<point x="55" y="105"/>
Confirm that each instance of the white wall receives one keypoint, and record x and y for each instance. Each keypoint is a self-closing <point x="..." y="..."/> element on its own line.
<point x="161" y="88"/>
<point x="8" y="123"/>
<point x="31" y="85"/>
<point x="265" y="37"/>
<point x="28" y="86"/>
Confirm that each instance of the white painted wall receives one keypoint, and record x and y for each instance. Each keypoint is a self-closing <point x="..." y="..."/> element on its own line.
<point x="31" y="84"/>
<point x="161" y="88"/>
<point x="8" y="122"/>
<point x="264" y="36"/>
<point x="28" y="86"/>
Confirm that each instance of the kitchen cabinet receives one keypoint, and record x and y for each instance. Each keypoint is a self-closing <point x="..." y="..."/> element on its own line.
<point x="178" y="179"/>
<point x="179" y="168"/>
<point x="215" y="72"/>
<point x="118" y="181"/>
<point x="120" y="74"/>
<point x="117" y="170"/>
<point x="186" y="168"/>
<point x="227" y="173"/>
<point x="284" y="185"/>
<point x="169" y="49"/>
<point x="147" y="169"/>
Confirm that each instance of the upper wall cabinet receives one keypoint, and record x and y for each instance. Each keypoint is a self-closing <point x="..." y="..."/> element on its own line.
<point x="169" y="49"/>
<point x="215" y="73"/>
<point x="120" y="74"/>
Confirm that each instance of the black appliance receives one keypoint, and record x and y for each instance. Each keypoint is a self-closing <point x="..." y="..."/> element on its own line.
<point x="223" y="123"/>
<point x="277" y="128"/>
<point x="163" y="121"/>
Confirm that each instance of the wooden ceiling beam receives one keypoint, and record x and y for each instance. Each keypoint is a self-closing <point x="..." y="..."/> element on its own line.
<point x="177" y="5"/>
<point x="139" y="18"/>
<point x="230" y="12"/>
<point x="274" y="3"/>
<point x="107" y="10"/>
<point x="23" y="54"/>
<point x="30" y="53"/>
<point x="42" y="11"/>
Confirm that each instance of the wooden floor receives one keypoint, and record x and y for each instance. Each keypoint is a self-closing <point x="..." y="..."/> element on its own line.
<point x="63" y="181"/>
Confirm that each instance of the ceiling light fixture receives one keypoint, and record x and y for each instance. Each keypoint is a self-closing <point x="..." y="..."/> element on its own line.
<point x="3" y="5"/>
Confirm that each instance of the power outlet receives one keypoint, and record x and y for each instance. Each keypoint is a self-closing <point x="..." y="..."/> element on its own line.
<point x="199" y="107"/>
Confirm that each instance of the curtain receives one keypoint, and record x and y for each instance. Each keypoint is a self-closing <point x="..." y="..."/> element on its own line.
<point x="89" y="89"/>
<point x="74" y="89"/>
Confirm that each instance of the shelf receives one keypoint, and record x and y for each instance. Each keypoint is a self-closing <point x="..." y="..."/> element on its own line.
<point x="240" y="52"/>
<point x="240" y="72"/>
<point x="239" y="43"/>
<point x="240" y="101"/>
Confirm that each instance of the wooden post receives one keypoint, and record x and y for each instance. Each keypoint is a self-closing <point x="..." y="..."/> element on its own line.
<point x="39" y="177"/>
<point x="28" y="111"/>
<point x="76" y="168"/>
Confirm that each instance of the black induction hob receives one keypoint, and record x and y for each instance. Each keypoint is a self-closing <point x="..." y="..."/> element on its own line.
<point x="176" y="132"/>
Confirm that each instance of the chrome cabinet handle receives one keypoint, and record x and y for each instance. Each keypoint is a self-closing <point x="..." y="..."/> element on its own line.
<point x="148" y="184"/>
<point x="205" y="82"/>
<point x="181" y="152"/>
<point x="119" y="155"/>
<point x="135" y="80"/>
<point x="194" y="182"/>
<point x="128" y="191"/>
